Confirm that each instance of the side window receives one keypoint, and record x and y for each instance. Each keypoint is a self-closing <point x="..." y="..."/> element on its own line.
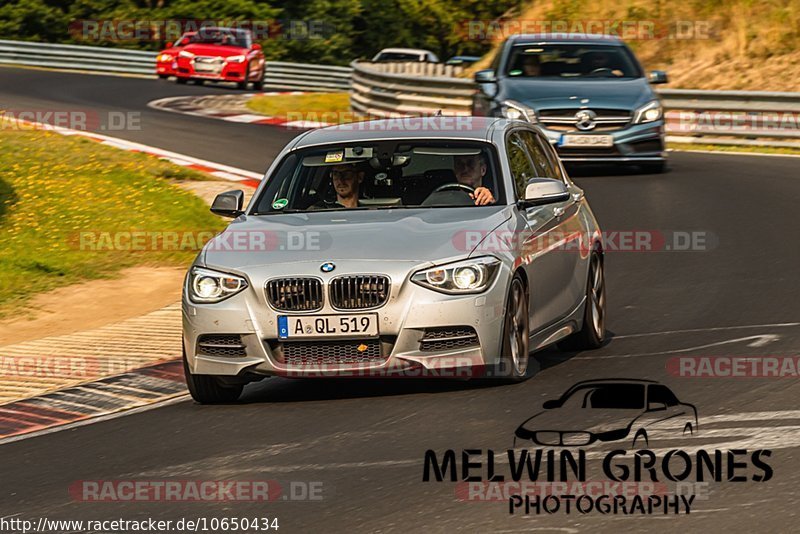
<point x="521" y="169"/>
<point x="545" y="167"/>
<point x="662" y="394"/>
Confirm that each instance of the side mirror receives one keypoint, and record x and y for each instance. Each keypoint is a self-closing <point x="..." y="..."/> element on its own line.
<point x="542" y="191"/>
<point x="228" y="204"/>
<point x="552" y="403"/>
<point x="658" y="76"/>
<point x="169" y="44"/>
<point x="656" y="406"/>
<point x="485" y="76"/>
<point x="256" y="46"/>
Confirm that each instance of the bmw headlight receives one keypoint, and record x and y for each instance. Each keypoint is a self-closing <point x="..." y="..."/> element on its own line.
<point x="650" y="112"/>
<point x="468" y="276"/>
<point x="511" y="109"/>
<point x="207" y="286"/>
<point x="236" y="59"/>
<point x="185" y="53"/>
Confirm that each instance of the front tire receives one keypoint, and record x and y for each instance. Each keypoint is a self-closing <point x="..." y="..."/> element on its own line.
<point x="514" y="365"/>
<point x="209" y="389"/>
<point x="593" y="333"/>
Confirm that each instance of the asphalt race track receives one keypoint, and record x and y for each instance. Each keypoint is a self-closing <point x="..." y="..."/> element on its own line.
<point x="365" y="440"/>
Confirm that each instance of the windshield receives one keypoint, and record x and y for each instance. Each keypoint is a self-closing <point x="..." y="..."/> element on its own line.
<point x="607" y="397"/>
<point x="398" y="56"/>
<point x="383" y="175"/>
<point x="579" y="61"/>
<point x="222" y="36"/>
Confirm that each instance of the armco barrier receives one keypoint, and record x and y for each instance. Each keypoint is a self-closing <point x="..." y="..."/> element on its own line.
<point x="743" y="118"/>
<point x="277" y="75"/>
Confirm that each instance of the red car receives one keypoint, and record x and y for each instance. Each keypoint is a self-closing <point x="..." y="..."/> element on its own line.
<point x="166" y="61"/>
<point x="222" y="54"/>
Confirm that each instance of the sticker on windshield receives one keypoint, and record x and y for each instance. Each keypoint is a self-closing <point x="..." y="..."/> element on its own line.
<point x="279" y="204"/>
<point x="334" y="156"/>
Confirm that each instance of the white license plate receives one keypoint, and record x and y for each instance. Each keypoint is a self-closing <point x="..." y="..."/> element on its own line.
<point x="207" y="67"/>
<point x="323" y="326"/>
<point x="586" y="140"/>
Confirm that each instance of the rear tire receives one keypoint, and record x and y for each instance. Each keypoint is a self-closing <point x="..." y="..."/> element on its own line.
<point x="181" y="81"/>
<point x="209" y="389"/>
<point x="259" y="85"/>
<point x="514" y="365"/>
<point x="163" y="76"/>
<point x="593" y="333"/>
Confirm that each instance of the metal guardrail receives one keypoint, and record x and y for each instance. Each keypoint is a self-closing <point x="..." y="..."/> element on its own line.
<point x="278" y="75"/>
<point x="306" y="77"/>
<point x="90" y="58"/>
<point x="741" y="118"/>
<point x="376" y="90"/>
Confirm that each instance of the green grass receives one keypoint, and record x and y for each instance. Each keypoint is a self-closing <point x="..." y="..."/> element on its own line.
<point x="323" y="107"/>
<point x="731" y="148"/>
<point x="56" y="189"/>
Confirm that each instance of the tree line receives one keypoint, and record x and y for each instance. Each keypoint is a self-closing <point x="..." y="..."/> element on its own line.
<point x="318" y="31"/>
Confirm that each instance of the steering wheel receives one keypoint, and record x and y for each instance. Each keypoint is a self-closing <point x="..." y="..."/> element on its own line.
<point x="454" y="187"/>
<point x="601" y="71"/>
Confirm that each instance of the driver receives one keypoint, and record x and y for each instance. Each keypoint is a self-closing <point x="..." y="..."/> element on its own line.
<point x="346" y="179"/>
<point x="469" y="171"/>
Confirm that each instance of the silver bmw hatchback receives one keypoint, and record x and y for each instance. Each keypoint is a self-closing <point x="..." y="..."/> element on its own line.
<point x="426" y="247"/>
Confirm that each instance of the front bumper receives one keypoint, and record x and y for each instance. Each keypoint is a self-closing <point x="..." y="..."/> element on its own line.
<point x="638" y="143"/>
<point x="403" y="321"/>
<point x="166" y="68"/>
<point x="230" y="72"/>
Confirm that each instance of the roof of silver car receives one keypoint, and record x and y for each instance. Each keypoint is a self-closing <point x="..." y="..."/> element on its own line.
<point x="440" y="127"/>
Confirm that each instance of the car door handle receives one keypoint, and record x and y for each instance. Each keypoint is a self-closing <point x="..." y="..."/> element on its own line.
<point x="559" y="211"/>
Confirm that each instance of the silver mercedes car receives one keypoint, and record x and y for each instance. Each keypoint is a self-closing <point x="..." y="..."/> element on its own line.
<point x="434" y="246"/>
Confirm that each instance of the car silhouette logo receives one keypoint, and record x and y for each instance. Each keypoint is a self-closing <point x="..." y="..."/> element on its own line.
<point x="584" y="119"/>
<point x="611" y="409"/>
<point x="327" y="267"/>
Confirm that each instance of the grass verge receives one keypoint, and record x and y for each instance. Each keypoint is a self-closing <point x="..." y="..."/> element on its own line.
<point x="332" y="108"/>
<point x="786" y="151"/>
<point x="68" y="205"/>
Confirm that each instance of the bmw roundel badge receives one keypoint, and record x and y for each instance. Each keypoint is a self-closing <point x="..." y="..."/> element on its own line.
<point x="327" y="267"/>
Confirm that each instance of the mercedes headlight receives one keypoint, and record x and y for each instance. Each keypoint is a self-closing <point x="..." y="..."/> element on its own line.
<point x="468" y="276"/>
<point x="185" y="53"/>
<point x="650" y="112"/>
<point x="511" y="109"/>
<point x="236" y="59"/>
<point x="207" y="286"/>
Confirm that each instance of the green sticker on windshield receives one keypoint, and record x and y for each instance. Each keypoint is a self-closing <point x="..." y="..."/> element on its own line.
<point x="279" y="204"/>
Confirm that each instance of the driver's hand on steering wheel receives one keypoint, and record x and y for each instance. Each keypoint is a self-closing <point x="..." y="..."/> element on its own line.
<point x="482" y="196"/>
